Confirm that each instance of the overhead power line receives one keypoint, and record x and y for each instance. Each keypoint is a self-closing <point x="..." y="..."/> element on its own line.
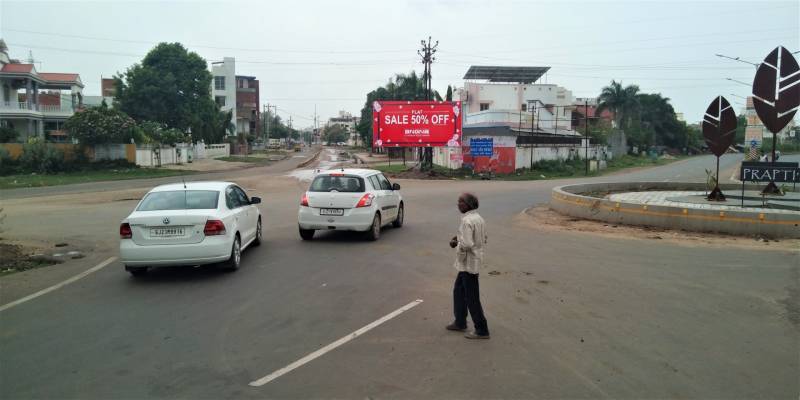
<point x="268" y="50"/>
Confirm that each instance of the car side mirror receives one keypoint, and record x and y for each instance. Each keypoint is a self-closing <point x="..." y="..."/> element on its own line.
<point x="255" y="200"/>
<point x="395" y="186"/>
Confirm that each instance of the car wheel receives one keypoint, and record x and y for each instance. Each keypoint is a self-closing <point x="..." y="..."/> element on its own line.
<point x="398" y="222"/>
<point x="306" y="234"/>
<point x="375" y="230"/>
<point x="236" y="255"/>
<point x="257" y="240"/>
<point x="137" y="272"/>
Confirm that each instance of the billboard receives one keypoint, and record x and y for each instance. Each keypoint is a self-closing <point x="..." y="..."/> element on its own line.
<point x="416" y="123"/>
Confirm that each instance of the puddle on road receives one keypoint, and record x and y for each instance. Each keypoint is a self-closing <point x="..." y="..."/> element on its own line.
<point x="330" y="160"/>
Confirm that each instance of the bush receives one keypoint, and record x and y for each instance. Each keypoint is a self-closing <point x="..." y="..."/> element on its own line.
<point x="8" y="134"/>
<point x="7" y="164"/>
<point x="41" y="157"/>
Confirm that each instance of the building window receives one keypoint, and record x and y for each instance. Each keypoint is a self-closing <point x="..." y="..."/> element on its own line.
<point x="219" y="83"/>
<point x="220" y="100"/>
<point x="484" y="106"/>
<point x="523" y="107"/>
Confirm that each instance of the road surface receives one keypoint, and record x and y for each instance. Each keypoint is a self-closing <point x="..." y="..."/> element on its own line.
<point x="572" y="315"/>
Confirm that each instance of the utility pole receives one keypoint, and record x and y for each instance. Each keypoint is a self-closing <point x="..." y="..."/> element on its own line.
<point x="427" y="52"/>
<point x="586" y="132"/>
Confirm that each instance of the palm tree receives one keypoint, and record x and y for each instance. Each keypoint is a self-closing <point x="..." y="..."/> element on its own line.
<point x="622" y="101"/>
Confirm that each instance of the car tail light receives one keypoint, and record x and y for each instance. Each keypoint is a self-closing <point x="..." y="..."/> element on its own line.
<point x="304" y="200"/>
<point x="366" y="200"/>
<point x="125" y="231"/>
<point x="214" y="227"/>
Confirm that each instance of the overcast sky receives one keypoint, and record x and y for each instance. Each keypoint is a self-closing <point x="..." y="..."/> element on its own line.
<point x="331" y="53"/>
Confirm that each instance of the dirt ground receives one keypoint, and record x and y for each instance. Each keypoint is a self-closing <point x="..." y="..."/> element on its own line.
<point x="18" y="256"/>
<point x="543" y="218"/>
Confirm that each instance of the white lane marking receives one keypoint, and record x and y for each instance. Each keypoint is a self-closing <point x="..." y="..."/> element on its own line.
<point x="289" y="368"/>
<point x="58" y="285"/>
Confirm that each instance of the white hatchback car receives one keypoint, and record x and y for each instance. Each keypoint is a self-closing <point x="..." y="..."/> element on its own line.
<point x="350" y="200"/>
<point x="191" y="223"/>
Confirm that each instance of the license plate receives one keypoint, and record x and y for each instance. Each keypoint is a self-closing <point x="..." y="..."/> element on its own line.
<point x="166" y="232"/>
<point x="331" y="211"/>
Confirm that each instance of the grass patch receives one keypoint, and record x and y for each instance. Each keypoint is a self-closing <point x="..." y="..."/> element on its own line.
<point x="67" y="178"/>
<point x="392" y="169"/>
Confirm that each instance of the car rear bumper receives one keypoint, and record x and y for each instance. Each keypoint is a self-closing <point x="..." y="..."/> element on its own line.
<point x="210" y="250"/>
<point x="355" y="219"/>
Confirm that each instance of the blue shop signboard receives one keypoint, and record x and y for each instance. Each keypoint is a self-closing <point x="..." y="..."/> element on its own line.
<point x="481" y="147"/>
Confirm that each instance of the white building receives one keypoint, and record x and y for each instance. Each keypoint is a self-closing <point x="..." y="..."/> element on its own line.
<point x="510" y="96"/>
<point x="36" y="104"/>
<point x="223" y="86"/>
<point x="348" y="122"/>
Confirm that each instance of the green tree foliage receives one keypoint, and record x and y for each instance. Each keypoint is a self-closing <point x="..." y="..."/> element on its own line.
<point x="400" y="87"/>
<point x="741" y="126"/>
<point x="622" y="101"/>
<point x="449" y="95"/>
<point x="334" y="134"/>
<point x="101" y="125"/>
<point x="172" y="86"/>
<point x="156" y="133"/>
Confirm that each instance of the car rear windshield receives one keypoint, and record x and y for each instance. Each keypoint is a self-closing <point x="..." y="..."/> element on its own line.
<point x="339" y="183"/>
<point x="180" y="200"/>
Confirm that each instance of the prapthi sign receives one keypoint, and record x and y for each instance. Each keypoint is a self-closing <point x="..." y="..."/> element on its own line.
<point x="416" y="123"/>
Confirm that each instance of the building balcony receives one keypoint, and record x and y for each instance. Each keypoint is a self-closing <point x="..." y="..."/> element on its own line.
<point x="23" y="109"/>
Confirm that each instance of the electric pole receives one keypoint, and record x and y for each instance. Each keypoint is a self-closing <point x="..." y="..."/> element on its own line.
<point x="427" y="52"/>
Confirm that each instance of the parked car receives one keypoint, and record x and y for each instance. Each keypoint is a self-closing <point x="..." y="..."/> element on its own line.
<point x="191" y="223"/>
<point x="350" y="200"/>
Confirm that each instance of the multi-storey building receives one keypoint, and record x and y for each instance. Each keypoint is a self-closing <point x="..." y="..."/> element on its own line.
<point x="348" y="122"/>
<point x="34" y="103"/>
<point x="223" y="86"/>
<point x="247" y="103"/>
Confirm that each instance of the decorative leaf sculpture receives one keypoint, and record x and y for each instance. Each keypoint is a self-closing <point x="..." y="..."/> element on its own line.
<point x="776" y="89"/>
<point x="719" y="126"/>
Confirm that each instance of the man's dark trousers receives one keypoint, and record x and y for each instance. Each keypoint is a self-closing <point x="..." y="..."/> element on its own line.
<point x="466" y="296"/>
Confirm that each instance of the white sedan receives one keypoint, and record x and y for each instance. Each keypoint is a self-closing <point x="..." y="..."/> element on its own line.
<point x="191" y="223"/>
<point x="351" y="200"/>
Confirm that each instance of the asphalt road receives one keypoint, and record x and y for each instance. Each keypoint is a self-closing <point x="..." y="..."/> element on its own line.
<point x="572" y="315"/>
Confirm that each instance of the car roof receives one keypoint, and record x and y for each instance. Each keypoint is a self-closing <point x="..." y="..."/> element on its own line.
<point x="362" y="172"/>
<point x="202" y="185"/>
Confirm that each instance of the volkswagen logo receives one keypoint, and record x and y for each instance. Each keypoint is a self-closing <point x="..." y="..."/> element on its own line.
<point x="166" y="220"/>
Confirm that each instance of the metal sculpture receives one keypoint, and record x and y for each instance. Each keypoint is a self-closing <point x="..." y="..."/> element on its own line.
<point x="719" y="131"/>
<point x="776" y="96"/>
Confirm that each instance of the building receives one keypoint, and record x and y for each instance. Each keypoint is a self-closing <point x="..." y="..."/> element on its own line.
<point x="223" y="86"/>
<point x="108" y="90"/>
<point x="511" y="123"/>
<point x="247" y="103"/>
<point x="587" y="106"/>
<point x="757" y="132"/>
<point x="510" y="95"/>
<point x="349" y="123"/>
<point x="36" y="104"/>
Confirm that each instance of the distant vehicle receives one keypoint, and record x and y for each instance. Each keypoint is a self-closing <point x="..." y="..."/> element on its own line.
<point x="194" y="223"/>
<point x="297" y="147"/>
<point x="350" y="200"/>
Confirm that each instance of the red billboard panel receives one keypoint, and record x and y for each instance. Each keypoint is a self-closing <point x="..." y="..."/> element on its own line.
<point x="416" y="123"/>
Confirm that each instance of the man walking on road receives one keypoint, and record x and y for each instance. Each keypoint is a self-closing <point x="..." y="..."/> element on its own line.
<point x="469" y="258"/>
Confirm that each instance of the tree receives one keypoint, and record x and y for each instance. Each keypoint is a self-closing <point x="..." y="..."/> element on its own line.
<point x="620" y="100"/>
<point x="658" y="123"/>
<point x="333" y="134"/>
<point x="171" y="86"/>
<point x="102" y="125"/>
<point x="153" y="132"/>
<point x="741" y="126"/>
<point x="400" y="87"/>
<point x="449" y="95"/>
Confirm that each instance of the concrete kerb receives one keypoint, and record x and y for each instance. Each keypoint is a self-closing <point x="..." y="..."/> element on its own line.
<point x="310" y="160"/>
<point x="577" y="201"/>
